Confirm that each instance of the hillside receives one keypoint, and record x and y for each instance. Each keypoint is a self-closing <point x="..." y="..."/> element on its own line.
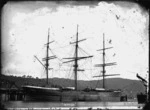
<point x="129" y="87"/>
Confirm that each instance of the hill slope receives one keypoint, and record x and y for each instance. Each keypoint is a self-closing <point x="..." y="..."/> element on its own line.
<point x="129" y="87"/>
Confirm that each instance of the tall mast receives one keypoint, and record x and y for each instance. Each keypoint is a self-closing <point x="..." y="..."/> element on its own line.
<point x="103" y="61"/>
<point x="76" y="58"/>
<point x="47" y="54"/>
<point x="48" y="57"/>
<point x="105" y="64"/>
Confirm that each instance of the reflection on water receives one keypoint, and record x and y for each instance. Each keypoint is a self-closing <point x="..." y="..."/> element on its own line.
<point x="25" y="104"/>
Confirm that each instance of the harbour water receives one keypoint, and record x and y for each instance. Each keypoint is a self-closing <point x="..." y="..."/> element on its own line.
<point x="26" y="105"/>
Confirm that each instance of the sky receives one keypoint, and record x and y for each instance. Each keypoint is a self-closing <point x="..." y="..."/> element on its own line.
<point x="25" y="29"/>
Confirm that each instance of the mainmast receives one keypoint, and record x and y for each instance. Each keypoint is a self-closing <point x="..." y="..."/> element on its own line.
<point x="76" y="58"/>
<point x="76" y="61"/>
<point x="105" y="64"/>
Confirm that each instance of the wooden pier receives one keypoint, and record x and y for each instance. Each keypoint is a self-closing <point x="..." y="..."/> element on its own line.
<point x="11" y="94"/>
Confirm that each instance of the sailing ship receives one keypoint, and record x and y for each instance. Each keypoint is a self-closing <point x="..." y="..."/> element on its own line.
<point x="73" y="94"/>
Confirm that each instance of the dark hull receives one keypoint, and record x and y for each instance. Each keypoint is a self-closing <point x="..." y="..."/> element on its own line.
<point x="142" y="98"/>
<point x="41" y="94"/>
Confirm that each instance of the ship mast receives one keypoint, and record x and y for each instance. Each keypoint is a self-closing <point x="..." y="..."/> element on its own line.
<point x="76" y="61"/>
<point x="105" y="64"/>
<point x="76" y="58"/>
<point x="47" y="58"/>
<point x="47" y="54"/>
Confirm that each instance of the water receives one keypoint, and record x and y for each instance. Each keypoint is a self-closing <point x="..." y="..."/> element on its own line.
<point x="68" y="105"/>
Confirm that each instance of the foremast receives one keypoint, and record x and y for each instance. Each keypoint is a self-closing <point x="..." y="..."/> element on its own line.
<point x="76" y="58"/>
<point x="47" y="58"/>
<point x="104" y="64"/>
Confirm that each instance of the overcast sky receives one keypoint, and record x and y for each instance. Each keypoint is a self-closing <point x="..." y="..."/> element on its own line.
<point x="25" y="30"/>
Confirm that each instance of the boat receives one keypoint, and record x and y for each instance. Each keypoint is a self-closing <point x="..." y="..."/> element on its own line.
<point x="36" y="93"/>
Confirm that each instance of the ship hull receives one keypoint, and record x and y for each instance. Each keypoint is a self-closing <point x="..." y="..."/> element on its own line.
<point x="38" y="94"/>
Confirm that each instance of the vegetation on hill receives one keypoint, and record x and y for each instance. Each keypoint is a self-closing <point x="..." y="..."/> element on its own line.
<point x="128" y="87"/>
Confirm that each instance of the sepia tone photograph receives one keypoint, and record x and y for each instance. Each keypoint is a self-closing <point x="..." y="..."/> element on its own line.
<point x="70" y="55"/>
